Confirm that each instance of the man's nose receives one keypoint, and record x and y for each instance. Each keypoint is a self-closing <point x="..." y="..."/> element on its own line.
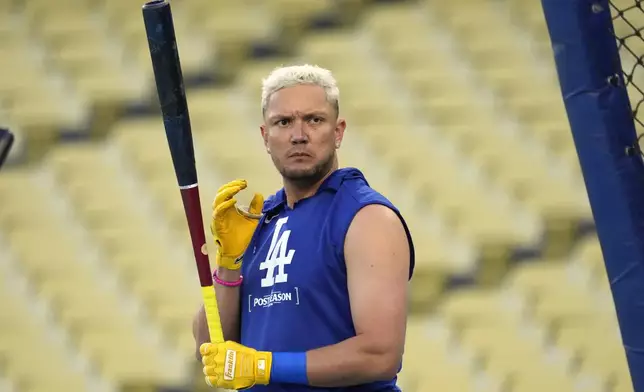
<point x="299" y="134"/>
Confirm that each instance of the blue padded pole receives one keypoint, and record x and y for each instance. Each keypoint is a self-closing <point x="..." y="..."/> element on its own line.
<point x="589" y="70"/>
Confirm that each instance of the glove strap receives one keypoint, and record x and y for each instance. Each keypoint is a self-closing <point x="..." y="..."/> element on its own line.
<point x="226" y="283"/>
<point x="231" y="263"/>
<point x="263" y="367"/>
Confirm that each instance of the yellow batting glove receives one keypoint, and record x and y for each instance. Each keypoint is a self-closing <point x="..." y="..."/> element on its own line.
<point x="232" y="227"/>
<point x="230" y="365"/>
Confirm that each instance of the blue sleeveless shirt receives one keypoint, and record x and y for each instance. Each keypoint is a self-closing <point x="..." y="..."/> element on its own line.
<point x="295" y="294"/>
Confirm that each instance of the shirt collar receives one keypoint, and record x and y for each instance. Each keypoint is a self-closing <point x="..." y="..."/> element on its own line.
<point x="331" y="183"/>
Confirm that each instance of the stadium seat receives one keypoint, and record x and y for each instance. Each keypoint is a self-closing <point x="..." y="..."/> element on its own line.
<point x="480" y="307"/>
<point x="542" y="278"/>
<point x="20" y="336"/>
<point x="40" y="11"/>
<point x="589" y="254"/>
<point x="121" y="356"/>
<point x="598" y="347"/>
<point x="425" y="346"/>
<point x="494" y="342"/>
<point x="566" y="306"/>
<point x="544" y="380"/>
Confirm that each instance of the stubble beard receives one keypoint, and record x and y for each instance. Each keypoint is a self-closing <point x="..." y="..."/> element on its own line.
<point x="304" y="178"/>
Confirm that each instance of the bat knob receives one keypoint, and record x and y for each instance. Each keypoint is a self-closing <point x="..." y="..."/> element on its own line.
<point x="155" y="4"/>
<point x="244" y="212"/>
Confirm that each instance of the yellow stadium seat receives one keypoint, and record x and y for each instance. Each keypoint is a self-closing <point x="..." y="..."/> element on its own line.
<point x="23" y="362"/>
<point x="447" y="378"/>
<point x="76" y="159"/>
<point x="66" y="384"/>
<point x="296" y="14"/>
<point x="25" y="210"/>
<point x="414" y="60"/>
<point x="557" y="136"/>
<point x="468" y="22"/>
<point x="433" y="266"/>
<point x="93" y="311"/>
<point x="134" y="261"/>
<point x="156" y="294"/>
<point x="391" y="21"/>
<point x="185" y="341"/>
<point x="132" y="247"/>
<point x="598" y="346"/>
<point x="212" y="110"/>
<point x="545" y="277"/>
<point x="589" y="254"/>
<point x="121" y="356"/>
<point x="319" y="48"/>
<point x="40" y="113"/>
<point x="440" y="83"/>
<point x="544" y="381"/>
<point x="564" y="306"/>
<point x="17" y="336"/>
<point x="595" y="333"/>
<point x="176" y="319"/>
<point x="422" y="348"/>
<point x="623" y="384"/>
<point x="59" y="30"/>
<point x="108" y="87"/>
<point x="234" y="30"/>
<point x="122" y="249"/>
<point x="249" y="76"/>
<point x="55" y="251"/>
<point x="608" y="363"/>
<point x="37" y="11"/>
<point x="479" y="307"/>
<point x="96" y="192"/>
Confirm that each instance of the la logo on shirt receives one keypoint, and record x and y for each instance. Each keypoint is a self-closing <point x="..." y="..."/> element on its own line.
<point x="279" y="256"/>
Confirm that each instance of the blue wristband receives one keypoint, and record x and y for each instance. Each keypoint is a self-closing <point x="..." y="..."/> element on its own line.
<point x="289" y="368"/>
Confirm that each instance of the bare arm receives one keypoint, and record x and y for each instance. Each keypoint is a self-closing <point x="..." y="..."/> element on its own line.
<point x="228" y="303"/>
<point x="377" y="258"/>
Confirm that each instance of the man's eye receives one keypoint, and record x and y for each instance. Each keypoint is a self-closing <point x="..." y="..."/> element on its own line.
<point x="316" y="120"/>
<point x="283" y="122"/>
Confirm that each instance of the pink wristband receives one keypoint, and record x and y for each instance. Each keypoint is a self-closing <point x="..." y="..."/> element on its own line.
<point x="226" y="283"/>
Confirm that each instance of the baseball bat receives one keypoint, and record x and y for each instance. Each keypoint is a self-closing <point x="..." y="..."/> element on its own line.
<point x="6" y="141"/>
<point x="164" y="53"/>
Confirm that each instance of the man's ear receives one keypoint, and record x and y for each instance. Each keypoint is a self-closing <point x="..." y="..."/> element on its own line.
<point x="264" y="132"/>
<point x="339" y="131"/>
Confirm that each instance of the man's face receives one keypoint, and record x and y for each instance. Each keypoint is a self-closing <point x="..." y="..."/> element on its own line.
<point x="301" y="132"/>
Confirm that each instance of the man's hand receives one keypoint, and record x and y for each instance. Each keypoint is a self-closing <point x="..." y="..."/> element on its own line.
<point x="231" y="227"/>
<point x="230" y="365"/>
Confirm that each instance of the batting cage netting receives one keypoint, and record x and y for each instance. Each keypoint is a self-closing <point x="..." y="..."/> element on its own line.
<point x="598" y="49"/>
<point x="628" y="26"/>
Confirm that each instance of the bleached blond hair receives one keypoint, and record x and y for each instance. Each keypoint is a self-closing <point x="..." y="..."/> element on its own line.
<point x="294" y="75"/>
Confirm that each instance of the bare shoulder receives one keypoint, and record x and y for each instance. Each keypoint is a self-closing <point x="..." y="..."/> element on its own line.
<point x="376" y="232"/>
<point x="375" y="218"/>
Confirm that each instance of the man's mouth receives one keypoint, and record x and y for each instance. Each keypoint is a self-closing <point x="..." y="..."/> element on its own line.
<point x="298" y="155"/>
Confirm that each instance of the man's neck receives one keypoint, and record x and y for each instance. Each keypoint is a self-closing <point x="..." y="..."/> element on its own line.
<point x="294" y="193"/>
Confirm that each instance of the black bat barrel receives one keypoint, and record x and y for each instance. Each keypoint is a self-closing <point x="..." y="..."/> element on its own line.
<point x="164" y="53"/>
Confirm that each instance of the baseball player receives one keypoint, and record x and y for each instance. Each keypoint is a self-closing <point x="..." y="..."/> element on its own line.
<point x="313" y="294"/>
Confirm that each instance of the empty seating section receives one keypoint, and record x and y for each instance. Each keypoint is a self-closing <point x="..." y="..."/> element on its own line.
<point x="21" y="337"/>
<point x="128" y="238"/>
<point x="454" y="113"/>
<point x="57" y="264"/>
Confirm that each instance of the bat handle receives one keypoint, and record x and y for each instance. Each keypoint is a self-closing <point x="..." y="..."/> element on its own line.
<point x="212" y="314"/>
<point x="192" y="206"/>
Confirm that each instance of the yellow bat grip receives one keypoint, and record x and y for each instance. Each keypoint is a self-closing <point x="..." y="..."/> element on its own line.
<point x="212" y="314"/>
